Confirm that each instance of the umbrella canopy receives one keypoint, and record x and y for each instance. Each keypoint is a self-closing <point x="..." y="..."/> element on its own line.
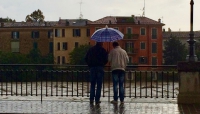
<point x="107" y="35"/>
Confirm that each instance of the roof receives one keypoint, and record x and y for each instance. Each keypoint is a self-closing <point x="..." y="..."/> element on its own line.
<point x="72" y="22"/>
<point x="180" y="34"/>
<point x="29" y="24"/>
<point x="125" y="19"/>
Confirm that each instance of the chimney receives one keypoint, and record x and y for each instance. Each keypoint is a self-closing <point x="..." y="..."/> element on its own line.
<point x="163" y="30"/>
<point x="110" y="22"/>
<point x="86" y="22"/>
<point x="67" y="23"/>
<point x="169" y="30"/>
<point x="159" y="20"/>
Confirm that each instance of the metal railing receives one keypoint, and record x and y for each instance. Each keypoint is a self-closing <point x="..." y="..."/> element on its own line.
<point x="73" y="81"/>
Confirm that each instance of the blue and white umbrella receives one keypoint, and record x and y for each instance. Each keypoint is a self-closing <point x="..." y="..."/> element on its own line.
<point x="107" y="35"/>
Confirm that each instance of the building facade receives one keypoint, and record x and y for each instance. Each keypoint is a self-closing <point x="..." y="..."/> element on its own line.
<point x="69" y="34"/>
<point x="22" y="37"/>
<point x="142" y="37"/>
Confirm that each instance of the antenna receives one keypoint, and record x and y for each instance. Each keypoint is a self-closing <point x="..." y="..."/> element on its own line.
<point x="80" y="16"/>
<point x="143" y="10"/>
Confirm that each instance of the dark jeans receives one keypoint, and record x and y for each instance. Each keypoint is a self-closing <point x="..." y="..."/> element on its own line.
<point x="118" y="79"/>
<point x="96" y="78"/>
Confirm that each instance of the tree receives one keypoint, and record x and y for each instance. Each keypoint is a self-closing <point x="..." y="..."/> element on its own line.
<point x="174" y="51"/>
<point x="36" y="16"/>
<point x="34" y="56"/>
<point x="7" y="20"/>
<point x="78" y="54"/>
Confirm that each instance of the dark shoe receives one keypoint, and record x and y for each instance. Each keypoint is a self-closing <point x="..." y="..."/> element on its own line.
<point x="98" y="102"/>
<point x="91" y="102"/>
<point x="114" y="102"/>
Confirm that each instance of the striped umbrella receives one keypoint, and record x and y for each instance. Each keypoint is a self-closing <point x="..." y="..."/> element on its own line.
<point x="107" y="35"/>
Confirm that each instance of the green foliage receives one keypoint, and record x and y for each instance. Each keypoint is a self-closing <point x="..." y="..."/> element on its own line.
<point x="35" y="56"/>
<point x="36" y="16"/>
<point x="12" y="58"/>
<point x="174" y="51"/>
<point x="78" y="54"/>
<point x="130" y="19"/>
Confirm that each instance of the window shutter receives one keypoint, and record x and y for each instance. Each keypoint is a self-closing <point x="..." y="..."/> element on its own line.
<point x="56" y="33"/>
<point x="12" y="34"/>
<point x="17" y="34"/>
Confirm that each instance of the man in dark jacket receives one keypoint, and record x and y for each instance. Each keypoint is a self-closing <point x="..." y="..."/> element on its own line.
<point x="96" y="58"/>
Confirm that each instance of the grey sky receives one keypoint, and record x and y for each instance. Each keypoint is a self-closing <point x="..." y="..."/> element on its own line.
<point x="175" y="14"/>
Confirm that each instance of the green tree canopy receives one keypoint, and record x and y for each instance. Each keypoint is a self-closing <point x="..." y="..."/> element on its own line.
<point x="36" y="16"/>
<point x="174" y="51"/>
<point x="78" y="54"/>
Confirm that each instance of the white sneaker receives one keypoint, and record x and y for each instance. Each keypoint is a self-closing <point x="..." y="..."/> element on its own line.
<point x="114" y="102"/>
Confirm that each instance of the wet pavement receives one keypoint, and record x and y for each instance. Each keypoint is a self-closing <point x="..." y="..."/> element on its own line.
<point x="82" y="106"/>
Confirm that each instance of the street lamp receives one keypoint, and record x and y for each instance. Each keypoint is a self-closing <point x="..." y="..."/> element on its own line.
<point x="192" y="56"/>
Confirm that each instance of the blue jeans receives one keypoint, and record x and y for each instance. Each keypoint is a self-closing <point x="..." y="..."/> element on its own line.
<point x="96" y="78"/>
<point x="118" y="79"/>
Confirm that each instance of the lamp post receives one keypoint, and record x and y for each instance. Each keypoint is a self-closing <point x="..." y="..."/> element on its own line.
<point x="192" y="56"/>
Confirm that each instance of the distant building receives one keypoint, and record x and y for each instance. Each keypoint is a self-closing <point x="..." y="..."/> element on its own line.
<point x="21" y="37"/>
<point x="183" y="36"/>
<point x="69" y="34"/>
<point x="142" y="40"/>
<point x="142" y="37"/>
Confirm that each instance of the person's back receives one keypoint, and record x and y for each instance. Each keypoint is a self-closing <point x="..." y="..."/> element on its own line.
<point x="96" y="58"/>
<point x="118" y="59"/>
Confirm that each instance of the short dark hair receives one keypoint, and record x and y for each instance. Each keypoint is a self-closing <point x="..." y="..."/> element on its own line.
<point x="115" y="44"/>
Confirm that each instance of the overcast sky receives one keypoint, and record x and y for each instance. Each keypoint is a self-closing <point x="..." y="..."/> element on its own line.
<point x="175" y="14"/>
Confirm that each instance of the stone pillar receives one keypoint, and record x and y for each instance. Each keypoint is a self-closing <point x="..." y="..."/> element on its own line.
<point x="189" y="87"/>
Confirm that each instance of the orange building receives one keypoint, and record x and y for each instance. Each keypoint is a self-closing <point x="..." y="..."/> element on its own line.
<point x="142" y="37"/>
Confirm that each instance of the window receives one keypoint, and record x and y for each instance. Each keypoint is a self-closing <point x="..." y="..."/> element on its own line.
<point x="64" y="46"/>
<point x="63" y="32"/>
<point x="142" y="60"/>
<point x="129" y="47"/>
<point x="97" y="28"/>
<point x="35" y="34"/>
<point x="154" y="47"/>
<point x="63" y="59"/>
<point x="58" y="60"/>
<point x="142" y="31"/>
<point x="88" y="33"/>
<point x="50" y="34"/>
<point x="116" y="28"/>
<point x="50" y="47"/>
<point x="76" y="32"/>
<point x="15" y="35"/>
<point x="15" y="46"/>
<point x="76" y="44"/>
<point x="58" y="45"/>
<point x="130" y="60"/>
<point x="57" y="32"/>
<point x="129" y="30"/>
<point x="154" y="60"/>
<point x="142" y="45"/>
<point x="154" y="33"/>
<point x="35" y="45"/>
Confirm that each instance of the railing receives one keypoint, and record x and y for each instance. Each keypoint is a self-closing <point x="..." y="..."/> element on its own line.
<point x="73" y="81"/>
<point x="131" y="36"/>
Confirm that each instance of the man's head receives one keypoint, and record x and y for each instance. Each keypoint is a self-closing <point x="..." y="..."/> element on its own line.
<point x="115" y="44"/>
<point x="99" y="43"/>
